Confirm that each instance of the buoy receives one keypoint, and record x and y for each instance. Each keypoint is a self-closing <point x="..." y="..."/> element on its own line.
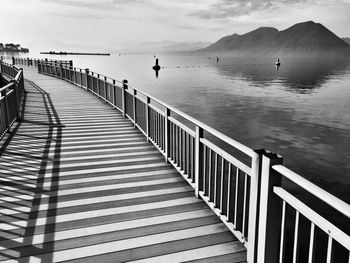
<point x="156" y="66"/>
<point x="278" y="63"/>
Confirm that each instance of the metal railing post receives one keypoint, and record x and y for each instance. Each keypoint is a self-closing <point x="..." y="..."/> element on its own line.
<point x="7" y="117"/>
<point x="148" y="101"/>
<point x="134" y="107"/>
<point x="167" y="135"/>
<point x="105" y="88"/>
<point x="114" y="101"/>
<point x="253" y="215"/>
<point x="81" y="77"/>
<point x="15" y="90"/>
<point x="98" y="85"/>
<point x="60" y="67"/>
<point x="270" y="211"/>
<point x="125" y="87"/>
<point x="87" y="78"/>
<point x="198" y="158"/>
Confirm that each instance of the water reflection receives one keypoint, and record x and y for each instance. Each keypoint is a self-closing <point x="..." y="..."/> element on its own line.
<point x="297" y="75"/>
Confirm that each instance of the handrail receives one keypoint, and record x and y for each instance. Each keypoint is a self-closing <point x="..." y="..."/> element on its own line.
<point x="314" y="217"/>
<point x="217" y="176"/>
<point x="11" y="95"/>
<point x="34" y="61"/>
<point x="7" y="86"/>
<point x="317" y="191"/>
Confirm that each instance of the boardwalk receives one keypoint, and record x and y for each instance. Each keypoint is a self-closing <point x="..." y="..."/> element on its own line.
<point x="79" y="183"/>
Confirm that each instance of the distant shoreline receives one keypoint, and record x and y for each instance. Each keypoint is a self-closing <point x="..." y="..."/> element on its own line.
<point x="75" y="53"/>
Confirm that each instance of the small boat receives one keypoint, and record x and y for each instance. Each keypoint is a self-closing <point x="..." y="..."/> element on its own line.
<point x="278" y="63"/>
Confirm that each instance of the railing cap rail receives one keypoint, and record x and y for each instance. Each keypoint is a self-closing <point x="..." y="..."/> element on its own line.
<point x="245" y="149"/>
<point x="6" y="87"/>
<point x="317" y="191"/>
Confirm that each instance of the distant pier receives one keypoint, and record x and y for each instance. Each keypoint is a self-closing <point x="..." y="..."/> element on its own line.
<point x="75" y="53"/>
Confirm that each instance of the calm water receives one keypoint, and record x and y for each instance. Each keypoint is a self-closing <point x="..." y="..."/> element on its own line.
<point x="301" y="111"/>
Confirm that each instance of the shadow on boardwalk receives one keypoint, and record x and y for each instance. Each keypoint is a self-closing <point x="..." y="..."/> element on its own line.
<point x="17" y="186"/>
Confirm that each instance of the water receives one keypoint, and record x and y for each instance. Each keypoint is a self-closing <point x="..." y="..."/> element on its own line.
<point x="301" y="111"/>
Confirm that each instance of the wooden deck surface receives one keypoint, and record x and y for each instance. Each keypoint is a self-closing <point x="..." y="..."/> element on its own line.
<point x="80" y="184"/>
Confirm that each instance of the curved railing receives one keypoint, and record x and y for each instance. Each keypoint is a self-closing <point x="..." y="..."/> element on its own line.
<point x="242" y="186"/>
<point x="34" y="61"/>
<point x="10" y="96"/>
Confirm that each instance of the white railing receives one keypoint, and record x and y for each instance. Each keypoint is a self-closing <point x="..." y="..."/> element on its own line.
<point x="242" y="186"/>
<point x="10" y="96"/>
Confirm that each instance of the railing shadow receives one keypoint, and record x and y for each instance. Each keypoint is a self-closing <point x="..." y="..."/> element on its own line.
<point x="23" y="249"/>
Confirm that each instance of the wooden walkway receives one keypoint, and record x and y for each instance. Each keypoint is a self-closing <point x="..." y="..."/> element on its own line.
<point x="80" y="184"/>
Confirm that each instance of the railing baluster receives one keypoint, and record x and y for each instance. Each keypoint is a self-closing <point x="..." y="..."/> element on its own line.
<point x="180" y="148"/>
<point x="282" y="231"/>
<point x="98" y="88"/>
<point x="114" y="94"/>
<point x="134" y="106"/>
<point x="87" y="78"/>
<point x="185" y="143"/>
<point x="209" y="174"/>
<point x="329" y="249"/>
<point x="296" y="241"/>
<point x="177" y="145"/>
<point x="235" y="221"/>
<point x="204" y="169"/>
<point x="105" y="88"/>
<point x="198" y="158"/>
<point x="158" y="130"/>
<point x="193" y="156"/>
<point x="216" y="163"/>
<point x="311" y="245"/>
<point x="81" y="77"/>
<point x="125" y="87"/>
<point x="228" y="201"/>
<point x="244" y="204"/>
<point x="174" y="142"/>
<point x="222" y="184"/>
<point x="148" y="101"/>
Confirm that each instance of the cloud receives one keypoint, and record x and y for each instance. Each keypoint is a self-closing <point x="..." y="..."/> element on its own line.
<point x="236" y="8"/>
<point x="93" y="4"/>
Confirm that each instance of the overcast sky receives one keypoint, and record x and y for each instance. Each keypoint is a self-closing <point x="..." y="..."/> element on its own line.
<point x="49" y="24"/>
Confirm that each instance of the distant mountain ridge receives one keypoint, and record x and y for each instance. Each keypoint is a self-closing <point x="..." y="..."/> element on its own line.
<point x="308" y="39"/>
<point x="165" y="46"/>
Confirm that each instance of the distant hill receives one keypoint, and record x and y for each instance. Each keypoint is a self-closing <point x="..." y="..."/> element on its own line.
<point x="347" y="40"/>
<point x="165" y="46"/>
<point x="303" y="39"/>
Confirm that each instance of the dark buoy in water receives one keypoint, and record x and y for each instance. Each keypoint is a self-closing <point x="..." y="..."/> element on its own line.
<point x="278" y="63"/>
<point x="156" y="67"/>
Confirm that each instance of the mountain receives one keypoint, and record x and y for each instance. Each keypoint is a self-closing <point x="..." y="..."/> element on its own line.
<point x="303" y="39"/>
<point x="347" y="40"/>
<point x="165" y="46"/>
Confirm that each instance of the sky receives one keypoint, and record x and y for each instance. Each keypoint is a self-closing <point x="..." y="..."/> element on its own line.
<point x="106" y="24"/>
